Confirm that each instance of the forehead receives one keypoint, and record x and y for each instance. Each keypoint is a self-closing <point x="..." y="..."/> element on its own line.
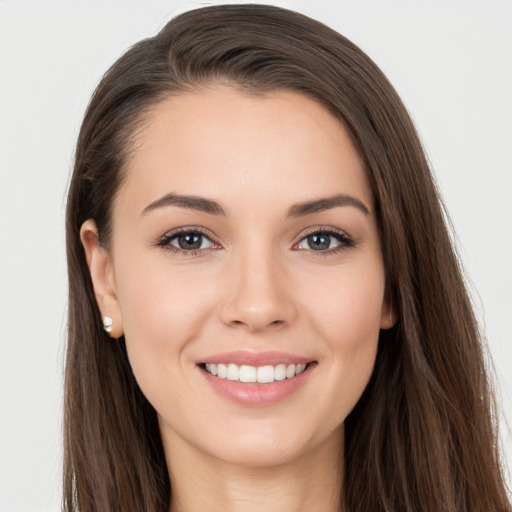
<point x="229" y="145"/>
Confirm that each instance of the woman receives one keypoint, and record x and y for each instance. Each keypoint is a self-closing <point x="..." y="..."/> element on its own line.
<point x="266" y="311"/>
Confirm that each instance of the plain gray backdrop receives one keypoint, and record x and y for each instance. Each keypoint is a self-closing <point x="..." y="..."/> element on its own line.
<point x="451" y="61"/>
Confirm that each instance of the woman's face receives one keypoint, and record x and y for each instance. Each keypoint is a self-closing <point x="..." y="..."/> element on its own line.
<point x="245" y="244"/>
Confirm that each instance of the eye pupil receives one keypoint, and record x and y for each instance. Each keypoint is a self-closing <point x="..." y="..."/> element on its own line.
<point x="319" y="241"/>
<point x="190" y="241"/>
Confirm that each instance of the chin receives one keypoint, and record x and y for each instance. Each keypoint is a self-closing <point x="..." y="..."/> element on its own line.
<point x="261" y="455"/>
<point x="271" y="447"/>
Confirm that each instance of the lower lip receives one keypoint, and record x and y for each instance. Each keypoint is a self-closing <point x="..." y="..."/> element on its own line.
<point x="254" y="394"/>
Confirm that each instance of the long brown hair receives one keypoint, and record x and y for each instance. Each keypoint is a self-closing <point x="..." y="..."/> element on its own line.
<point x="423" y="435"/>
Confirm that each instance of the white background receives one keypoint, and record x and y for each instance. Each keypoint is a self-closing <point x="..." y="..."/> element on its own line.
<point x="450" y="61"/>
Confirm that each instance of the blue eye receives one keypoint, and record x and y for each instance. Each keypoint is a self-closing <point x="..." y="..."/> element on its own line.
<point x="190" y="241"/>
<point x="325" y="241"/>
<point x="186" y="241"/>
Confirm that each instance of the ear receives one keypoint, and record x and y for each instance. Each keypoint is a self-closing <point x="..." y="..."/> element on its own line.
<point x="388" y="315"/>
<point x="102" y="276"/>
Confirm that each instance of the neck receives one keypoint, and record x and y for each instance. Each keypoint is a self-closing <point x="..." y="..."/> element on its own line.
<point x="311" y="482"/>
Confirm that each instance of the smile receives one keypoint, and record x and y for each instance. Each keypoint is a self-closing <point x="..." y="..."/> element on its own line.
<point x="256" y="379"/>
<point x="260" y="374"/>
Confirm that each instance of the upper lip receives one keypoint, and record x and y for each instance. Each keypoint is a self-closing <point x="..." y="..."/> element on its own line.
<point x="248" y="358"/>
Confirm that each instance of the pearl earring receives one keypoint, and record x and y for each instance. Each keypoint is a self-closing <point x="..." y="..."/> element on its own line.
<point x="107" y="324"/>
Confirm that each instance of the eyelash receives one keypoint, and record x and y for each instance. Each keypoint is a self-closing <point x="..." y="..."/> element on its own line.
<point x="345" y="241"/>
<point x="165" y="241"/>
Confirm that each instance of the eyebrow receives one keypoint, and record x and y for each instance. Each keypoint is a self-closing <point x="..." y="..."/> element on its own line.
<point x="296" y="210"/>
<point x="326" y="203"/>
<point x="191" y="202"/>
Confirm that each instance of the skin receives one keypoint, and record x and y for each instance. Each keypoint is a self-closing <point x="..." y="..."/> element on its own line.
<point x="257" y="285"/>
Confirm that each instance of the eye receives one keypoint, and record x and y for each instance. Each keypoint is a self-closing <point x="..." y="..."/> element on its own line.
<point x="326" y="241"/>
<point x="190" y="241"/>
<point x="186" y="241"/>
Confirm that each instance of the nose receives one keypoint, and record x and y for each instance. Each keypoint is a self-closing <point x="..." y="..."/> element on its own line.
<point x="257" y="291"/>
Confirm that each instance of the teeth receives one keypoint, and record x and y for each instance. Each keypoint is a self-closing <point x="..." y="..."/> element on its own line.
<point x="280" y="372"/>
<point x="265" y="374"/>
<point x="248" y="374"/>
<point x="233" y="372"/>
<point x="300" y="368"/>
<point x="222" y="371"/>
<point x="260" y="374"/>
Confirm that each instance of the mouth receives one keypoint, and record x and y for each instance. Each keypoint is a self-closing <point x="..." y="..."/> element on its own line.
<point x="266" y="374"/>
<point x="256" y="379"/>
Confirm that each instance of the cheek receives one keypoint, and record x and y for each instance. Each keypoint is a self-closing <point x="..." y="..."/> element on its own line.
<point x="349" y="325"/>
<point x="162" y="311"/>
<point x="349" y="310"/>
